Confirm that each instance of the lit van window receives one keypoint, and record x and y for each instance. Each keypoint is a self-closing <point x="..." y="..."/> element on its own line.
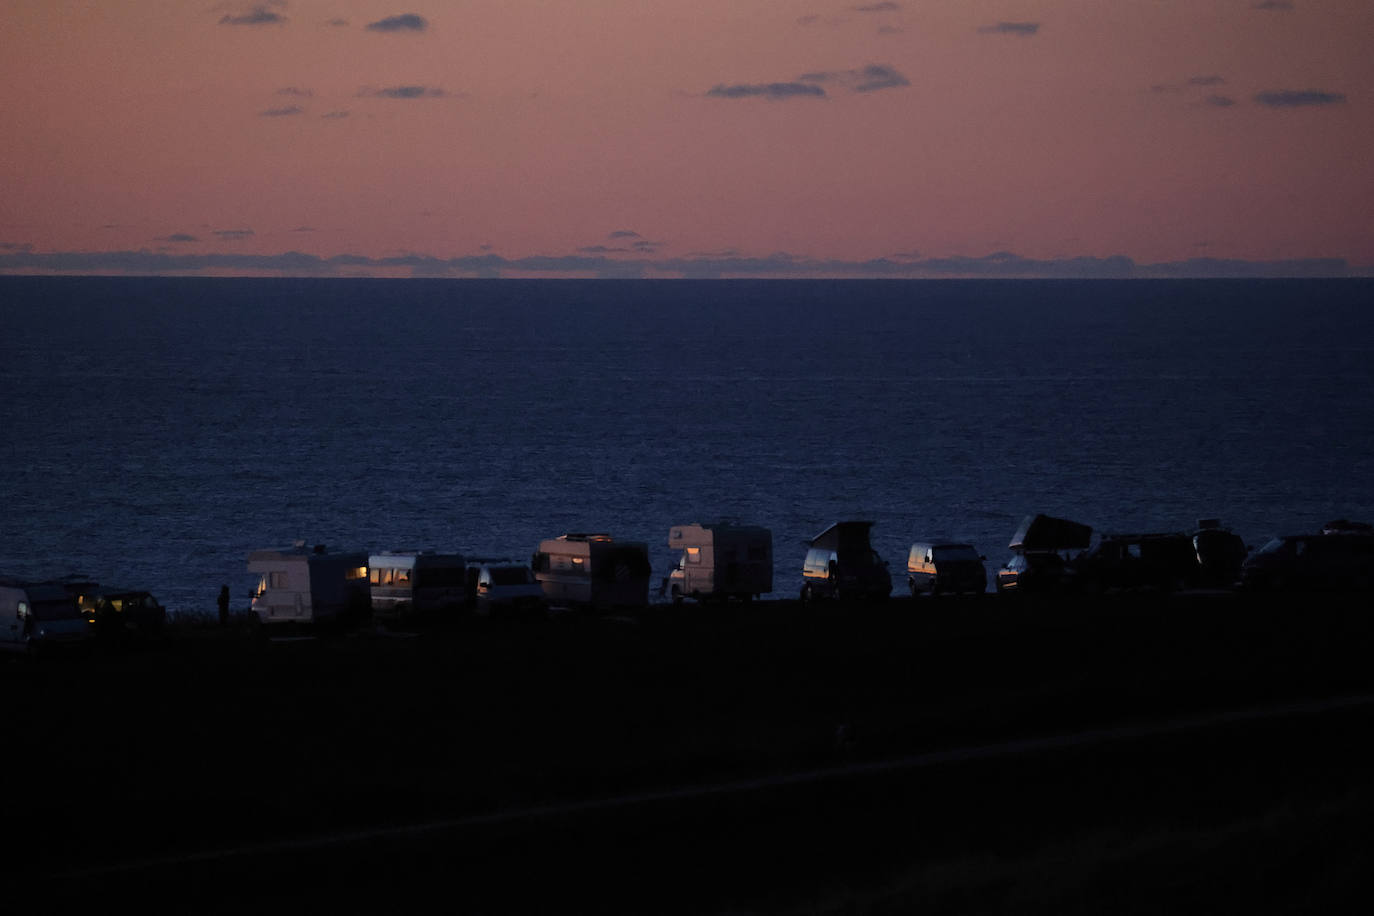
<point x="693" y="554"/>
<point x="357" y="572"/>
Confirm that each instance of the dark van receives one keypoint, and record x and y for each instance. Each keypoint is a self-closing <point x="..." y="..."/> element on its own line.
<point x="841" y="563"/>
<point x="1160" y="562"/>
<point x="1312" y="562"/>
<point x="945" y="569"/>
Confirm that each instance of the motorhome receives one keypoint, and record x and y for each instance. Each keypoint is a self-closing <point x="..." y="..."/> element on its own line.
<point x="416" y="583"/>
<point x="841" y="563"/>
<point x="720" y="561"/>
<point x="36" y="616"/>
<point x="309" y="585"/>
<point x="593" y="570"/>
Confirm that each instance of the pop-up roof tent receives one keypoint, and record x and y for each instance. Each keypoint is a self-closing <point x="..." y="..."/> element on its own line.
<point x="844" y="537"/>
<point x="1043" y="532"/>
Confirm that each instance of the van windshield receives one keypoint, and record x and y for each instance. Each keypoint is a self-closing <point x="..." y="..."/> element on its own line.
<point x="953" y="553"/>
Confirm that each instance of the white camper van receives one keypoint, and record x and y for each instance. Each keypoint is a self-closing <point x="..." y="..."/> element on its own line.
<point x="416" y="583"/>
<point x="309" y="585"/>
<point x="593" y="570"/>
<point x="720" y="561"/>
<point x="35" y="616"/>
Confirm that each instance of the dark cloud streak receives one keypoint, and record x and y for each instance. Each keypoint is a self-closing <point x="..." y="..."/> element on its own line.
<point x="1298" y="98"/>
<point x="405" y="22"/>
<point x="256" y="15"/>
<point x="404" y="92"/>
<point x="1024" y="29"/>
<point x="775" y="91"/>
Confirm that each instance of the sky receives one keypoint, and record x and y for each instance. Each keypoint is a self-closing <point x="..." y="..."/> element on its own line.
<point x="687" y="138"/>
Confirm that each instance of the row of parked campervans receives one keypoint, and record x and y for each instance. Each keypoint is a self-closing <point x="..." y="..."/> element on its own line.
<point x="311" y="585"/>
<point x="732" y="561"/>
<point x="304" y="584"/>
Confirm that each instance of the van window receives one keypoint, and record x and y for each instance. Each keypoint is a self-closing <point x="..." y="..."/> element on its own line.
<point x="693" y="554"/>
<point x="276" y="579"/>
<point x="356" y="572"/>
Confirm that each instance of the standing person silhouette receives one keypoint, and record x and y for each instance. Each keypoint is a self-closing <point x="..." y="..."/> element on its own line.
<point x="224" y="605"/>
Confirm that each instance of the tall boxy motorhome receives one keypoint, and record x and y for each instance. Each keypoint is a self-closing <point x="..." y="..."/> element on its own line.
<point x="309" y="585"/>
<point x="593" y="570"/>
<point x="416" y="583"/>
<point x="36" y="616"/>
<point x="720" y="561"/>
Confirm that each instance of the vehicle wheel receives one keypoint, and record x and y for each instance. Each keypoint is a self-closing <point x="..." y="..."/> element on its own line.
<point x="806" y="596"/>
<point x="677" y="595"/>
<point x="915" y="590"/>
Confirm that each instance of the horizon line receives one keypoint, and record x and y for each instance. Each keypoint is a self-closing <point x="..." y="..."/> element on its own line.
<point x="22" y="261"/>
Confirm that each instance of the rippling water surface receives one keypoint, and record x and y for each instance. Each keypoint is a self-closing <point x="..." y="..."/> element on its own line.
<point x="157" y="430"/>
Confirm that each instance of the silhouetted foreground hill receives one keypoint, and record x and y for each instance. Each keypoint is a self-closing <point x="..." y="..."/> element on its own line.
<point x="228" y="771"/>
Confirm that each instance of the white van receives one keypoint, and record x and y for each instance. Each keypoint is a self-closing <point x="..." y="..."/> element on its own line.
<point x="36" y="616"/>
<point x="309" y="586"/>
<point x="416" y="583"/>
<point x="593" y="570"/>
<point x="504" y="588"/>
<point x="720" y="561"/>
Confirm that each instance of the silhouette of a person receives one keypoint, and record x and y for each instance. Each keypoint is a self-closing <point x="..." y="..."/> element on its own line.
<point x="224" y="605"/>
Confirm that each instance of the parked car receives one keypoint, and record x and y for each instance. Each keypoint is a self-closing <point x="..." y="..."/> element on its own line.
<point x="1312" y="562"/>
<point x="1159" y="562"/>
<point x="1035" y="572"/>
<point x="124" y="615"/>
<point x="944" y="569"/>
<point x="841" y="563"/>
<point x="502" y="588"/>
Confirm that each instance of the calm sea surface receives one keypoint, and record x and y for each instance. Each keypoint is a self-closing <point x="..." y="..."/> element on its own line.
<point x="157" y="430"/>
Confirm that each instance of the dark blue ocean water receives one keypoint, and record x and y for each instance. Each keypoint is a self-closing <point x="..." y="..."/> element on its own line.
<point x="157" y="430"/>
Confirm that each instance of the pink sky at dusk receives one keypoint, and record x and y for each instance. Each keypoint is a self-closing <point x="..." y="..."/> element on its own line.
<point x="647" y="136"/>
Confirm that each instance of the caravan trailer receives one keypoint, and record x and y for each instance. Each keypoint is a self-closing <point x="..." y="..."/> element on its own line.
<point x="720" y="561"/>
<point x="593" y="570"/>
<point x="304" y="585"/>
<point x="37" y="616"/>
<point x="416" y="583"/>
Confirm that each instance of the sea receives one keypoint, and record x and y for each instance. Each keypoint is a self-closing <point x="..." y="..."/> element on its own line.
<point x="157" y="430"/>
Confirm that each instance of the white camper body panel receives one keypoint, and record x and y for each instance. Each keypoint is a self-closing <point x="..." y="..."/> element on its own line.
<point x="593" y="570"/>
<point x="301" y="585"/>
<point x="721" y="561"/>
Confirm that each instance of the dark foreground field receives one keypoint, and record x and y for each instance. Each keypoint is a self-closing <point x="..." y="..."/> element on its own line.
<point x="1208" y="753"/>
